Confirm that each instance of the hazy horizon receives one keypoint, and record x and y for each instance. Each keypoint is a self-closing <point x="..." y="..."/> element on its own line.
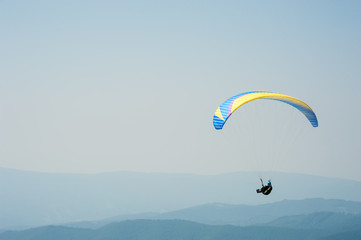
<point x="265" y="173"/>
<point x="33" y="198"/>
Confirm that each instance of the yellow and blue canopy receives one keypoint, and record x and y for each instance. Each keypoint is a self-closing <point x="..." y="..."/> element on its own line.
<point x="225" y="110"/>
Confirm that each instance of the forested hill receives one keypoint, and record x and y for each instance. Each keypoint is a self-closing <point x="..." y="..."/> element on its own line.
<point x="162" y="230"/>
<point x="35" y="199"/>
<point x="178" y="230"/>
<point x="245" y="215"/>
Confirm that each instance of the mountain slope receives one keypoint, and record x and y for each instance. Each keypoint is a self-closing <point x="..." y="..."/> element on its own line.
<point x="33" y="198"/>
<point x="349" y="235"/>
<point x="162" y="230"/>
<point x="320" y="220"/>
<point x="243" y="215"/>
<point x="248" y="215"/>
<point x="48" y="232"/>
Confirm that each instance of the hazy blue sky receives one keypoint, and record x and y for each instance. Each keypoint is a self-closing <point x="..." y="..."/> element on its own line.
<point x="94" y="86"/>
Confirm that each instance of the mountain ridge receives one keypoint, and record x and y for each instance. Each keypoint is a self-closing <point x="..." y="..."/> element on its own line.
<point x="34" y="199"/>
<point x="240" y="215"/>
<point x="161" y="230"/>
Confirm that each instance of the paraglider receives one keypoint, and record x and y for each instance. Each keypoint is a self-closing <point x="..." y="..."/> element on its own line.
<point x="229" y="106"/>
<point x="265" y="189"/>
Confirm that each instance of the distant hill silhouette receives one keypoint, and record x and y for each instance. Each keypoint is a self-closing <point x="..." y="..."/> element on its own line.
<point x="162" y="230"/>
<point x="180" y="230"/>
<point x="347" y="235"/>
<point x="244" y="215"/>
<point x="320" y="220"/>
<point x="33" y="198"/>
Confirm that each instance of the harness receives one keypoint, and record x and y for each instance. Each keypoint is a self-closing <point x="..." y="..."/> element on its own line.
<point x="267" y="190"/>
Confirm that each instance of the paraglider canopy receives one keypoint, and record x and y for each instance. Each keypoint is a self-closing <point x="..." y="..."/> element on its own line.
<point x="225" y="110"/>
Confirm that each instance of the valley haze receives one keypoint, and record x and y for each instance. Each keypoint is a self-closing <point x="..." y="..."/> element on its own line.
<point x="35" y="198"/>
